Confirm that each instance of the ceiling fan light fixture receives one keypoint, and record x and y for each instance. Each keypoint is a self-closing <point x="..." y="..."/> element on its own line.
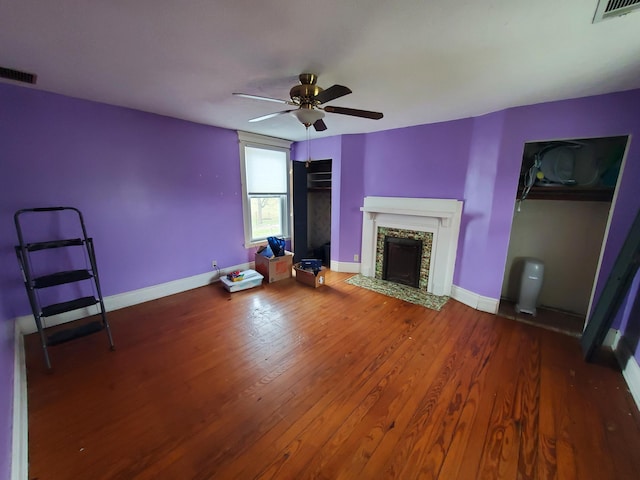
<point x="308" y="116"/>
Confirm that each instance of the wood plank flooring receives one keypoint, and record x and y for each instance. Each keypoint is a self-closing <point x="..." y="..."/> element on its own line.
<point x="289" y="382"/>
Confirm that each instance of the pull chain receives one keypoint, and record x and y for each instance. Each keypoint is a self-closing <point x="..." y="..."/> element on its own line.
<point x="308" y="162"/>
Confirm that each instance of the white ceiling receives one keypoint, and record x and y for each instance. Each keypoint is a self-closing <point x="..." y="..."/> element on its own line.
<point x="418" y="61"/>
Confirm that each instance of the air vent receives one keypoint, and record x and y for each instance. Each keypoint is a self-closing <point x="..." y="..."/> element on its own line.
<point x="614" y="8"/>
<point x="19" y="76"/>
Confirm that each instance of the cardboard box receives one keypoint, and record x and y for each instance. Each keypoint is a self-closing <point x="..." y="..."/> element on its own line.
<point x="308" y="277"/>
<point x="310" y="263"/>
<point x="274" y="268"/>
<point x="250" y="279"/>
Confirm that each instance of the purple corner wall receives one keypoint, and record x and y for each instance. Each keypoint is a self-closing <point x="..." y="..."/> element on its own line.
<point x="346" y="192"/>
<point x="483" y="242"/>
<point x="406" y="162"/>
<point x="351" y="194"/>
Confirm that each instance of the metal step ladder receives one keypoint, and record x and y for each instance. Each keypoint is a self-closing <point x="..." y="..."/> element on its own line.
<point x="28" y="257"/>
<point x="614" y="292"/>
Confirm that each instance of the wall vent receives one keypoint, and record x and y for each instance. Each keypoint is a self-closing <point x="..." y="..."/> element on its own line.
<point x="18" y="76"/>
<point x="614" y="8"/>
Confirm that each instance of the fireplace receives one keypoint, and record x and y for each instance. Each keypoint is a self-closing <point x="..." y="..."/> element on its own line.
<point x="404" y="236"/>
<point x="434" y="222"/>
<point x="401" y="260"/>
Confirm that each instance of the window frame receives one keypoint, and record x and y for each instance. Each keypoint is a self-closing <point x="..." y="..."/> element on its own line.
<point x="246" y="139"/>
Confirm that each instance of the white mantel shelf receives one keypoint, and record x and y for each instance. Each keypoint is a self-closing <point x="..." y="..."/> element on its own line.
<point x="444" y="217"/>
<point x="439" y="216"/>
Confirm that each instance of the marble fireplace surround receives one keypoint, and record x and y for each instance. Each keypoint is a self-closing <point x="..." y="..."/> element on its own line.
<point x="438" y="216"/>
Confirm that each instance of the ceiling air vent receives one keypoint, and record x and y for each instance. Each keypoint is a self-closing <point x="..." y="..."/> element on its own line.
<point x="614" y="8"/>
<point x="18" y="76"/>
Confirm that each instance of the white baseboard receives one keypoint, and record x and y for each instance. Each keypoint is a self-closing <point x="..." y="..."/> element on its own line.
<point x="20" y="435"/>
<point x="473" y="300"/>
<point x="630" y="369"/>
<point x="612" y="339"/>
<point x="346" y="267"/>
<point x="127" y="299"/>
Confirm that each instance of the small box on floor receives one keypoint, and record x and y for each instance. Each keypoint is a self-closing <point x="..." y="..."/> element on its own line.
<point x="313" y="278"/>
<point x="248" y="279"/>
<point x="311" y="263"/>
<point x="274" y="268"/>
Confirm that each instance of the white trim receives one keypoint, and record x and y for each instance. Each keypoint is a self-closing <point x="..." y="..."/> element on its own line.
<point x="612" y="339"/>
<point x="473" y="300"/>
<point x="347" y="267"/>
<point x="246" y="139"/>
<point x="127" y="299"/>
<point x="20" y="433"/>
<point x="630" y="369"/>
<point x="605" y="236"/>
<point x="261" y="140"/>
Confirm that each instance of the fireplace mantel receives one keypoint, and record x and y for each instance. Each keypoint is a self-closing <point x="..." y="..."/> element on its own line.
<point x="438" y="216"/>
<point x="444" y="217"/>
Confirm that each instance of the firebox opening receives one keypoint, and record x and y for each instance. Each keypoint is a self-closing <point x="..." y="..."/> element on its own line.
<point x="401" y="260"/>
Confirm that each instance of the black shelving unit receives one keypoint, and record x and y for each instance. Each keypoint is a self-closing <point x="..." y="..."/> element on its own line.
<point x="27" y="258"/>
<point x="319" y="175"/>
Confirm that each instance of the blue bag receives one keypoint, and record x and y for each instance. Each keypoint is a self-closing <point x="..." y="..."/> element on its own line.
<point x="277" y="246"/>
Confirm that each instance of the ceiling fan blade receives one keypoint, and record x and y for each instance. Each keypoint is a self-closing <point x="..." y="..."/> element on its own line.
<point x="354" y="112"/>
<point x="331" y="93"/>
<point x="267" y="99"/>
<point x="270" y="115"/>
<point x="320" y="126"/>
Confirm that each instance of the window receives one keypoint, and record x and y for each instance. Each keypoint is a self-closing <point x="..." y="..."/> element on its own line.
<point x="266" y="183"/>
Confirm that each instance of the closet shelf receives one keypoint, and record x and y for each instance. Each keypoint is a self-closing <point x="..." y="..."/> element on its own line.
<point x="593" y="194"/>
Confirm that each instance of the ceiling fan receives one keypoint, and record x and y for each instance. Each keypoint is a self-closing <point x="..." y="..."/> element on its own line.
<point x="309" y="97"/>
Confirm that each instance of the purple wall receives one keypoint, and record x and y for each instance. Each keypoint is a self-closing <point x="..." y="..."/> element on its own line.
<point x="161" y="197"/>
<point x="483" y="240"/>
<point x="426" y="161"/>
<point x="6" y="391"/>
<point x="351" y="197"/>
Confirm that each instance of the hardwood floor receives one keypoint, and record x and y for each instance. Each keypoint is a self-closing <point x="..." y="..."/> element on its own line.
<point x="287" y="382"/>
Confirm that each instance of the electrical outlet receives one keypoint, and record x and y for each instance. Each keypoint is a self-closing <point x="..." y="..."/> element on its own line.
<point x="356" y="257"/>
<point x="214" y="263"/>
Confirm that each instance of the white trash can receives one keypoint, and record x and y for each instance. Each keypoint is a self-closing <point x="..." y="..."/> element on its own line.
<point x="530" y="285"/>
